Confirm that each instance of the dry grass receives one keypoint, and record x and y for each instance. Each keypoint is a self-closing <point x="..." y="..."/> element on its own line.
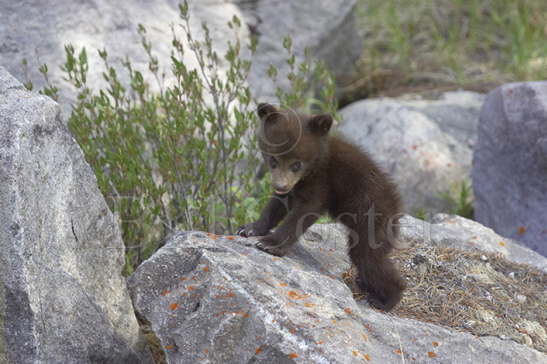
<point x="483" y="294"/>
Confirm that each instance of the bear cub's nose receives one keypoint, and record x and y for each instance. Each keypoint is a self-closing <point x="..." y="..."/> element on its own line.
<point x="281" y="189"/>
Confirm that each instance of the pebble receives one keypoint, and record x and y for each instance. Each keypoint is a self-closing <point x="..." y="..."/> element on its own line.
<point x="469" y="324"/>
<point x="527" y="340"/>
<point x="421" y="269"/>
<point x="419" y="259"/>
<point x="520" y="298"/>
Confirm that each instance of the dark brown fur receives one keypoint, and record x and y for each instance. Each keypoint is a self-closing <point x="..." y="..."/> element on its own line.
<point x="335" y="177"/>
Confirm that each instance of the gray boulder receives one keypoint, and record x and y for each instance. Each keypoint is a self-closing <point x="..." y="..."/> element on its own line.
<point x="38" y="32"/>
<point x="452" y="231"/>
<point x="62" y="296"/>
<point x="328" y="29"/>
<point x="218" y="299"/>
<point x="510" y="163"/>
<point x="426" y="145"/>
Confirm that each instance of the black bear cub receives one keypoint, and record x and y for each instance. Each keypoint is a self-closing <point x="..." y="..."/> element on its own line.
<point x="313" y="173"/>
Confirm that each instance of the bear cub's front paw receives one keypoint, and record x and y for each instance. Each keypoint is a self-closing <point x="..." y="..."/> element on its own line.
<point x="251" y="229"/>
<point x="270" y="245"/>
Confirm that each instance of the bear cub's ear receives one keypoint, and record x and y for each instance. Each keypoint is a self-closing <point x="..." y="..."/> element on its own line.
<point x="266" y="112"/>
<point x="320" y="124"/>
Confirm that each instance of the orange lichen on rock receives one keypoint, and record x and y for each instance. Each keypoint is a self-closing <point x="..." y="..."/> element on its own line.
<point x="258" y="350"/>
<point x="502" y="243"/>
<point x="295" y="296"/>
<point x="398" y="351"/>
<point x="283" y="284"/>
<point x="347" y="310"/>
<point x="230" y="294"/>
<point x="309" y="305"/>
<point x="169" y="347"/>
<point x="431" y="354"/>
<point x="367" y="357"/>
<point x="173" y="306"/>
<point x="165" y="292"/>
<point x="191" y="288"/>
<point x="522" y="230"/>
<point x="435" y="343"/>
<point x="293" y="355"/>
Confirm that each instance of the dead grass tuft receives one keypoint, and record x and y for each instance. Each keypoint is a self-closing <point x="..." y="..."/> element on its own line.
<point x="483" y="294"/>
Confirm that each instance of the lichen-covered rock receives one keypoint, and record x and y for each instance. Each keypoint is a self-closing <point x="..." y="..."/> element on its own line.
<point x="459" y="233"/>
<point x="510" y="163"/>
<point x="218" y="299"/>
<point x="62" y="296"/>
<point x="426" y="145"/>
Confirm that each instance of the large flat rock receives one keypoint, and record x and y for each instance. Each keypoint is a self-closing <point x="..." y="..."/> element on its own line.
<point x="218" y="299"/>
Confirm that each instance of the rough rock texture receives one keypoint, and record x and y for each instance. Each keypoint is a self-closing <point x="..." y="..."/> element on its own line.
<point x="62" y="296"/>
<point x="327" y="28"/>
<point x="457" y="232"/>
<point x="510" y="163"/>
<point x="38" y="31"/>
<point x="218" y="299"/>
<point x="425" y="145"/>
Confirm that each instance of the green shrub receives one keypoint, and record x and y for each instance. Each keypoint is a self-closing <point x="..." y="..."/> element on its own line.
<point x="461" y="200"/>
<point x="185" y="157"/>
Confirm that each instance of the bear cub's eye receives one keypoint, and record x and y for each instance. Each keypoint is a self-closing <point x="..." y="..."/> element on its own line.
<point x="273" y="162"/>
<point x="296" y="166"/>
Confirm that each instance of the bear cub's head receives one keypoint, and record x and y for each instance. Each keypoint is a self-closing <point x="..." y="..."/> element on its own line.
<point x="294" y="145"/>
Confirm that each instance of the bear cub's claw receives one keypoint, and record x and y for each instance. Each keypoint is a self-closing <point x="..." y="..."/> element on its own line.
<point x="252" y="229"/>
<point x="271" y="246"/>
